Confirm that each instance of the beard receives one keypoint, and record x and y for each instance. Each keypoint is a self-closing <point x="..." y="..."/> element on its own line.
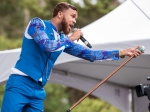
<point x="64" y="26"/>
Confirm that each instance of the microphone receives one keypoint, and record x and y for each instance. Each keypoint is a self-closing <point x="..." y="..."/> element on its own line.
<point x="84" y="40"/>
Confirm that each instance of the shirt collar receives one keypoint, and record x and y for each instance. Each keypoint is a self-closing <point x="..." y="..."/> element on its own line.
<point x="54" y="27"/>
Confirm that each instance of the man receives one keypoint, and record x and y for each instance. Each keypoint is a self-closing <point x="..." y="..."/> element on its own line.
<point x="43" y="42"/>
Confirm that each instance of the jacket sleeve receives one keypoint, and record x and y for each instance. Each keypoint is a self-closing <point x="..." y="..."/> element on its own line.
<point x="36" y="29"/>
<point x="92" y="55"/>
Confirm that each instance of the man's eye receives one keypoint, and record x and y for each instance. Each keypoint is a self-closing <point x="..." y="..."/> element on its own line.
<point x="73" y="16"/>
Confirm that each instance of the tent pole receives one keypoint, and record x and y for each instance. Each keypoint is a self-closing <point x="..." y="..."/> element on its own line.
<point x="132" y="100"/>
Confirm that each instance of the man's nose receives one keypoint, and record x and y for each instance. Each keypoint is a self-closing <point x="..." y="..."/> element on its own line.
<point x="74" y="21"/>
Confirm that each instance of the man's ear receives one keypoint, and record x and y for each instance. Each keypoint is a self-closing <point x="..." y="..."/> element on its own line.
<point x="60" y="15"/>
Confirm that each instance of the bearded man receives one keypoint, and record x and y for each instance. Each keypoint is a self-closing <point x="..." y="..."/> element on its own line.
<point x="43" y="42"/>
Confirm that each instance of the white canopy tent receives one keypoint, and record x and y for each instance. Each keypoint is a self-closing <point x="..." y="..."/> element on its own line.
<point x="126" y="26"/>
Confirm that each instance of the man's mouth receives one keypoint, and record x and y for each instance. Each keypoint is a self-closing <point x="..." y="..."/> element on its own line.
<point x="70" y="27"/>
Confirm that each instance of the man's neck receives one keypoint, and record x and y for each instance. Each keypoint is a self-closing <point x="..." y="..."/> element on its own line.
<point x="56" y="23"/>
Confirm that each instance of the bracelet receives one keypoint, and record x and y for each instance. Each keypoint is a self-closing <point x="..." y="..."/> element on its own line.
<point x="121" y="52"/>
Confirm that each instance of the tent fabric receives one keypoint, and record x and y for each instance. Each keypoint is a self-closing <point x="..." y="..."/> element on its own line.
<point x="112" y="93"/>
<point x="126" y="26"/>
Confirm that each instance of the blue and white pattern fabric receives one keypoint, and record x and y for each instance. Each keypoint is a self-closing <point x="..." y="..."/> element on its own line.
<point x="37" y="31"/>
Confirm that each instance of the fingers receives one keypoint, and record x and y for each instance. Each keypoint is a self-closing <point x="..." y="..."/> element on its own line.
<point x="137" y="52"/>
<point x="79" y="31"/>
<point x="76" y="34"/>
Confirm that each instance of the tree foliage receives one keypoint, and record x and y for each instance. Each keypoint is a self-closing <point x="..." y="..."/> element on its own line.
<point x="10" y="43"/>
<point x="15" y="14"/>
<point x="94" y="105"/>
<point x="56" y="98"/>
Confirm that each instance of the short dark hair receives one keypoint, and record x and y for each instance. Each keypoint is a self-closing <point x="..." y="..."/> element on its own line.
<point x="61" y="7"/>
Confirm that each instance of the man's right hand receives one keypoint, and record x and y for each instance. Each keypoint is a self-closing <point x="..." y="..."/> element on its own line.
<point x="76" y="35"/>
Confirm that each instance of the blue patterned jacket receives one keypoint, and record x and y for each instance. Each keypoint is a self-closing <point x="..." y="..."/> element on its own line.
<point x="43" y="43"/>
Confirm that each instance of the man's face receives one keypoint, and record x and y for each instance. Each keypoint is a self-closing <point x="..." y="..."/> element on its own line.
<point x="68" y="20"/>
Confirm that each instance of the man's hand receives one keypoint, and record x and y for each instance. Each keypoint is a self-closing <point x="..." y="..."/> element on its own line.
<point x="76" y="35"/>
<point x="131" y="51"/>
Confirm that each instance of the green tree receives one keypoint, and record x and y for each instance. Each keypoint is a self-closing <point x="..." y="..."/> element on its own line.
<point x="94" y="105"/>
<point x="56" y="99"/>
<point x="2" y="88"/>
<point x="11" y="18"/>
<point x="6" y="43"/>
<point x="15" y="15"/>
